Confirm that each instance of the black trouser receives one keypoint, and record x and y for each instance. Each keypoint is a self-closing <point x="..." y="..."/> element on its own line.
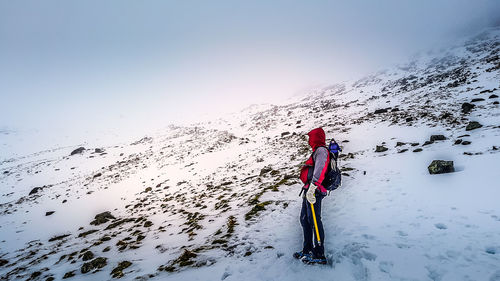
<point x="307" y="222"/>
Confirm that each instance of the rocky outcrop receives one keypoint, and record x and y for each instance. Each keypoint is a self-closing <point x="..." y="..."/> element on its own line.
<point x="79" y="150"/>
<point x="103" y="217"/>
<point x="441" y="167"/>
<point x="473" y="125"/>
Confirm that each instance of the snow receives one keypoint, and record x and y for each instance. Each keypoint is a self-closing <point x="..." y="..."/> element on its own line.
<point x="391" y="219"/>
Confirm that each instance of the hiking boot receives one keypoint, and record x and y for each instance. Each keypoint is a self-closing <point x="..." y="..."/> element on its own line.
<point x="301" y="255"/>
<point x="314" y="260"/>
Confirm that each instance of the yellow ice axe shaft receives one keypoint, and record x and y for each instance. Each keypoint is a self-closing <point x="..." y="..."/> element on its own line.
<point x="315" y="224"/>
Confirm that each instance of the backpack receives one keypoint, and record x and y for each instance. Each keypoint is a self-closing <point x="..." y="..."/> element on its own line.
<point x="333" y="176"/>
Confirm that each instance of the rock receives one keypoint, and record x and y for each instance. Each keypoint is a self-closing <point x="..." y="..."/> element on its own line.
<point x="148" y="189"/>
<point x="441" y="167"/>
<point x="94" y="264"/>
<point x="148" y="223"/>
<point x="403" y="150"/>
<point x="466" y="142"/>
<point x="459" y="141"/>
<point x="35" y="190"/>
<point x="496" y="102"/>
<point x="97" y="175"/>
<point x="59" y="237"/>
<point x="400" y="143"/>
<point x="79" y="150"/>
<point x="35" y="274"/>
<point x="427" y="143"/>
<point x="3" y="262"/>
<point x="477" y="100"/>
<point x="117" y="272"/>
<point x="49" y="213"/>
<point x="86" y="233"/>
<point x="418" y="150"/>
<point x="381" y="148"/>
<point x="467" y="107"/>
<point x="69" y="274"/>
<point x="409" y="119"/>
<point x="473" y="125"/>
<point x="103" y="217"/>
<point x="493" y="96"/>
<point x="382" y="110"/>
<point x="98" y="150"/>
<point x="88" y="255"/>
<point x="5" y="172"/>
<point x="437" y="138"/>
<point x="284" y="134"/>
<point x="265" y="170"/>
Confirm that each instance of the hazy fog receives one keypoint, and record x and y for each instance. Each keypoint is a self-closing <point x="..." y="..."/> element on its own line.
<point x="135" y="65"/>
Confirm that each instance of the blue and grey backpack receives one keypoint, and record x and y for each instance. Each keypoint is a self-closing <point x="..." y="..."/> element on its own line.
<point x="333" y="177"/>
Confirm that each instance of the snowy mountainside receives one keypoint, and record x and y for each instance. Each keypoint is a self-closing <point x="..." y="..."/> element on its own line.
<point x="218" y="200"/>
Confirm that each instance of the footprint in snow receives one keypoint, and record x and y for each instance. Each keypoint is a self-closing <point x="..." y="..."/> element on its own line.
<point x="495" y="276"/>
<point x="491" y="250"/>
<point x="385" y="266"/>
<point x="401" y="233"/>
<point x="368" y="236"/>
<point x="440" y="226"/>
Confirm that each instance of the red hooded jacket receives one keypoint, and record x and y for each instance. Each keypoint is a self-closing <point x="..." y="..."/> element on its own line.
<point x="316" y="166"/>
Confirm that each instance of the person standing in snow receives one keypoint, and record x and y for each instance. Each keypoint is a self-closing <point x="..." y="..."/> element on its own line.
<point x="312" y="175"/>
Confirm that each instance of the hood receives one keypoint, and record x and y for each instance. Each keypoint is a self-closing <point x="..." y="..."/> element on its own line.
<point x="316" y="138"/>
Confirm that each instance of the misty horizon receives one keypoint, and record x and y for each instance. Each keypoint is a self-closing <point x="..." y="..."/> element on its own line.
<point x="99" y="66"/>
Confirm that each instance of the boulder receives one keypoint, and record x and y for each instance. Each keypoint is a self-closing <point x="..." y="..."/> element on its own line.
<point x="381" y="148"/>
<point x="284" y="134"/>
<point x="441" y="167"/>
<point x="473" y="125"/>
<point x="103" y="217"/>
<point x="437" y="138"/>
<point x="94" y="264"/>
<point x="265" y="170"/>
<point x="79" y="150"/>
<point x="35" y="190"/>
<point x="88" y="255"/>
<point x="493" y="96"/>
<point x="49" y="213"/>
<point x="477" y="100"/>
<point x="382" y="110"/>
<point x="467" y="107"/>
<point x="117" y="272"/>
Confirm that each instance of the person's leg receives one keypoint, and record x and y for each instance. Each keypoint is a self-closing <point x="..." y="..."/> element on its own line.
<point x="306" y="226"/>
<point x="319" y="248"/>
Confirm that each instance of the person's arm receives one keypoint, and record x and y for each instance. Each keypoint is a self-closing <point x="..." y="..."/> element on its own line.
<point x="320" y="157"/>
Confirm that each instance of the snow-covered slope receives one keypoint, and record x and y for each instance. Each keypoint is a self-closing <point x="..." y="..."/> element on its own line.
<point x="218" y="200"/>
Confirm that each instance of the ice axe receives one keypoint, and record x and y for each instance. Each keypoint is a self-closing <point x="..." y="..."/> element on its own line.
<point x="315" y="225"/>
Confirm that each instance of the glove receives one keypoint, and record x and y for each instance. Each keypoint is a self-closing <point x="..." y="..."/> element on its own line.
<point x="310" y="194"/>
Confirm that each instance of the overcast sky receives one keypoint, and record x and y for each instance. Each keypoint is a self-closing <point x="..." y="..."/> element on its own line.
<point x="137" y="64"/>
